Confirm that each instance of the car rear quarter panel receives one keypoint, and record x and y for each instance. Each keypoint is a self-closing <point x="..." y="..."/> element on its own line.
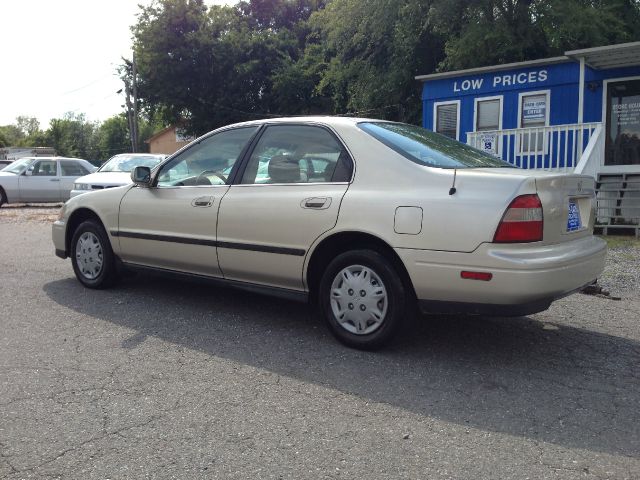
<point x="385" y="180"/>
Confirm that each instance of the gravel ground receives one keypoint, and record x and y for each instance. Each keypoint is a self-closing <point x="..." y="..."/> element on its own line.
<point x="622" y="273"/>
<point x="29" y="212"/>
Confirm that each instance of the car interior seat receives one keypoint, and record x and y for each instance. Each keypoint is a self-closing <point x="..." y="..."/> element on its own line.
<point x="284" y="169"/>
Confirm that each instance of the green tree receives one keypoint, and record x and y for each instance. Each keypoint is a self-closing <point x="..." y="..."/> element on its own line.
<point x="113" y="137"/>
<point x="575" y="24"/>
<point x="12" y="134"/>
<point x="489" y="32"/>
<point x="72" y="136"/>
<point x="212" y="66"/>
<point x="28" y="125"/>
<point x="364" y="55"/>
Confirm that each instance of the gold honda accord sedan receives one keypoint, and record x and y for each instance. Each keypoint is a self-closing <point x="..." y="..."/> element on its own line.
<point x="366" y="218"/>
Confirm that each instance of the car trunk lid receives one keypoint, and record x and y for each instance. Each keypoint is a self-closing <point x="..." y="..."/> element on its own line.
<point x="569" y="206"/>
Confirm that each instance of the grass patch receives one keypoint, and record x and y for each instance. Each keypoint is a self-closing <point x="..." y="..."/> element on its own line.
<point x="620" y="241"/>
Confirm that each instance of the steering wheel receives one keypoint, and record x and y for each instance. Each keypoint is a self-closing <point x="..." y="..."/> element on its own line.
<point x="203" y="176"/>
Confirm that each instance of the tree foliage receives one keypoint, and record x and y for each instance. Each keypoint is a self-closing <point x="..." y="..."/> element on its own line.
<point x="210" y="66"/>
<point x="215" y="65"/>
<point x="74" y="136"/>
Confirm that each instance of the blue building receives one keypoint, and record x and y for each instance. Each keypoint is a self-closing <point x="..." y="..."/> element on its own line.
<point x="578" y="112"/>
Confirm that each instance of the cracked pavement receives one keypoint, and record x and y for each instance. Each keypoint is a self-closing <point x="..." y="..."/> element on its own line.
<point x="166" y="378"/>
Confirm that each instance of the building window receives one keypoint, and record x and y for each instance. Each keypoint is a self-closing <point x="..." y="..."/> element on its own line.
<point x="447" y="118"/>
<point x="487" y="117"/>
<point x="488" y="114"/>
<point x="533" y="113"/>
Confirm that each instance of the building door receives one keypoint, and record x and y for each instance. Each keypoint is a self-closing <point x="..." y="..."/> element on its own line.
<point x="622" y="142"/>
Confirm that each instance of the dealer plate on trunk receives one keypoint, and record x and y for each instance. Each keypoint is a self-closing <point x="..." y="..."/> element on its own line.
<point x="573" y="220"/>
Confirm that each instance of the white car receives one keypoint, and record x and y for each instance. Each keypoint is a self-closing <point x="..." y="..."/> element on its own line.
<point x="115" y="172"/>
<point x="365" y="217"/>
<point x="41" y="179"/>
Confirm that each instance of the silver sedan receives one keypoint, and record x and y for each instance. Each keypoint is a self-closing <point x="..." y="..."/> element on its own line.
<point x="41" y="179"/>
<point x="363" y="217"/>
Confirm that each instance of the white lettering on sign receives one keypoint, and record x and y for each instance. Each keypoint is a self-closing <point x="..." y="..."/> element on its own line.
<point x="473" y="84"/>
<point x="520" y="78"/>
<point x="509" y="80"/>
<point x="533" y="110"/>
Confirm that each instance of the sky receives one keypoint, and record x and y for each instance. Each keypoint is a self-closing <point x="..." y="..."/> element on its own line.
<point x="61" y="56"/>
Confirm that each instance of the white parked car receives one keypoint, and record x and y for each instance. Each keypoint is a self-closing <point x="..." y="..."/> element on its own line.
<point x="115" y="172"/>
<point x="41" y="179"/>
<point x="364" y="216"/>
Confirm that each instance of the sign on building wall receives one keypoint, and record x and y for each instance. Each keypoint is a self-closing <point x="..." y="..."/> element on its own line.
<point x="534" y="110"/>
<point x="488" y="142"/>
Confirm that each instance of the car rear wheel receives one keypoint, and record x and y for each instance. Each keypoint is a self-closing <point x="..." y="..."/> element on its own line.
<point x="92" y="257"/>
<point x="363" y="299"/>
<point x="3" y="197"/>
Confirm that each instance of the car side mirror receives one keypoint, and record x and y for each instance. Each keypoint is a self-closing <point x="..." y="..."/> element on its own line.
<point x="141" y="176"/>
<point x="29" y="171"/>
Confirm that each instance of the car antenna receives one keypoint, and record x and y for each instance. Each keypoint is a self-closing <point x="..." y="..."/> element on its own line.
<point x="453" y="190"/>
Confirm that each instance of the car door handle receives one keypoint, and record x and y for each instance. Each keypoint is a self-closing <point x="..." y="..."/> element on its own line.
<point x="54" y="179"/>
<point x="317" y="203"/>
<point x="202" y="202"/>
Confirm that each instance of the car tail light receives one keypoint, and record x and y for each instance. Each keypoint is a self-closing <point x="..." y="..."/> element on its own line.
<point x="522" y="222"/>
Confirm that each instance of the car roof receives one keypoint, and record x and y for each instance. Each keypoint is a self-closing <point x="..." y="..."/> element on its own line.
<point x="52" y="158"/>
<point x="327" y="120"/>
<point x="139" y="154"/>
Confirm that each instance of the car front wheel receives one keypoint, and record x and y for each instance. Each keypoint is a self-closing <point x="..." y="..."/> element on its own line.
<point x="92" y="257"/>
<point x="363" y="299"/>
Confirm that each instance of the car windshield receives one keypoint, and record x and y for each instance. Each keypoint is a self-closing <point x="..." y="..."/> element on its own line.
<point x="428" y="148"/>
<point x="126" y="163"/>
<point x="18" y="166"/>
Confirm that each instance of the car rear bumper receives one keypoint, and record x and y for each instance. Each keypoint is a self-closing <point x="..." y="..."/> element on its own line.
<point x="526" y="279"/>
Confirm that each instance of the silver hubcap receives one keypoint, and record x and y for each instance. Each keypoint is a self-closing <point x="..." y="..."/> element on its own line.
<point x="358" y="299"/>
<point x="89" y="255"/>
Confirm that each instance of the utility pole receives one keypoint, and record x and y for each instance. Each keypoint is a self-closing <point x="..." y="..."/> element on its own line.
<point x="131" y="90"/>
<point x="127" y="99"/>
<point x="135" y="102"/>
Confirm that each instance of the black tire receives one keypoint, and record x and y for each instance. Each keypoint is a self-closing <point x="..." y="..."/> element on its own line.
<point x="92" y="237"/>
<point x="3" y="197"/>
<point x="382" y="280"/>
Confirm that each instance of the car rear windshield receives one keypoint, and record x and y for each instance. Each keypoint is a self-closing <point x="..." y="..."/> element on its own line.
<point x="428" y="148"/>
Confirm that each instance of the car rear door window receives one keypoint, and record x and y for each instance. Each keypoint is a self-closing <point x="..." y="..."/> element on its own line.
<point x="69" y="168"/>
<point x="297" y="154"/>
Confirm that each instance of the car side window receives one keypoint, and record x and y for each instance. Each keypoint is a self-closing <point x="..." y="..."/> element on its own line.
<point x="296" y="154"/>
<point x="70" y="168"/>
<point x="208" y="162"/>
<point x="45" y="168"/>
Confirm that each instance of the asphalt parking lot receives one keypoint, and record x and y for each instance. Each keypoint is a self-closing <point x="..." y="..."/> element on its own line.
<point x="159" y="378"/>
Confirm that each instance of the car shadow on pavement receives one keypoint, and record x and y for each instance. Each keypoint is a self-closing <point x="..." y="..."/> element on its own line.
<point x="568" y="386"/>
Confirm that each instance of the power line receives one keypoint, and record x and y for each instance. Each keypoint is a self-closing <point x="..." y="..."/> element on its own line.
<point x="93" y="82"/>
